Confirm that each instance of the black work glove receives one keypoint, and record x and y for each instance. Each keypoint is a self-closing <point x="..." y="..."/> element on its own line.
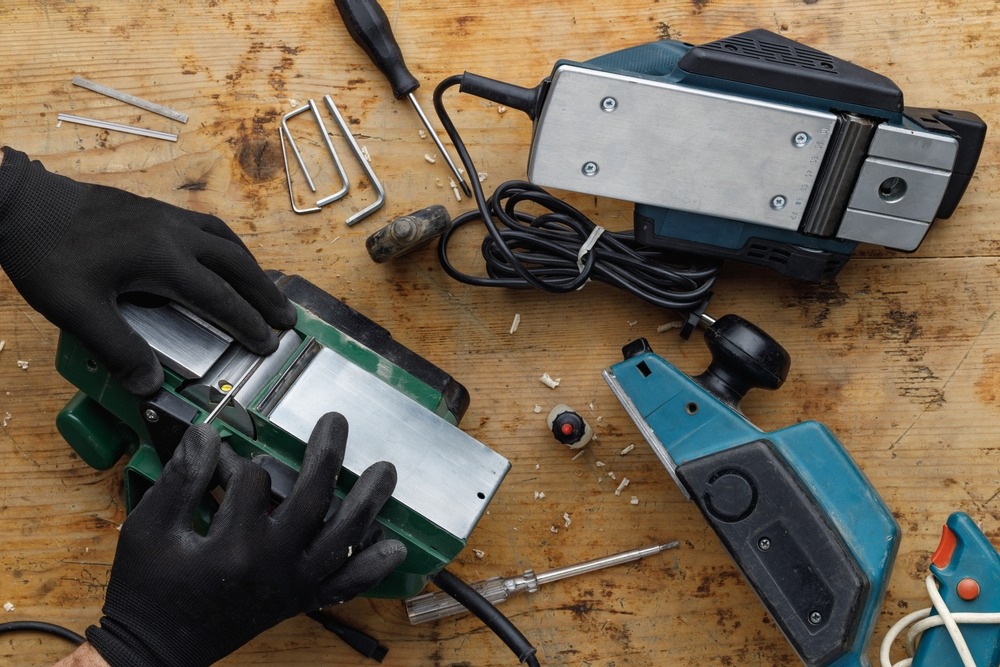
<point x="72" y="249"/>
<point x="180" y="599"/>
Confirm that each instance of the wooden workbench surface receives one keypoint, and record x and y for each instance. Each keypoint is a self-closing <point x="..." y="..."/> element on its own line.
<point x="900" y="356"/>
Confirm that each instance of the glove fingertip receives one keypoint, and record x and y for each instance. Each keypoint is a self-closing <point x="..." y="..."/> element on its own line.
<point x="283" y="316"/>
<point x="200" y="448"/>
<point x="392" y="551"/>
<point x="364" y="571"/>
<point x="380" y="480"/>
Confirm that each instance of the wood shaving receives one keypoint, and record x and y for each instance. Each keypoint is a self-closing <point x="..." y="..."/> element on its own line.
<point x="8" y="607"/>
<point x="501" y="110"/>
<point x="364" y="151"/>
<point x="566" y="519"/>
<point x="539" y="495"/>
<point x="553" y="529"/>
<point x="438" y="182"/>
<point x="627" y="450"/>
<point x="600" y="464"/>
<point x="479" y="553"/>
<point x="430" y="158"/>
<point x="6" y="419"/>
<point x="538" y="409"/>
<point x="516" y="323"/>
<point x="635" y="500"/>
<point x="578" y="455"/>
<point x="632" y="323"/>
<point x="454" y="188"/>
<point x="621" y="487"/>
<point x="481" y="175"/>
<point x="2" y="343"/>
<point x="22" y="364"/>
<point x="548" y="381"/>
<point x="611" y="474"/>
<point x="668" y="326"/>
<point x="423" y="135"/>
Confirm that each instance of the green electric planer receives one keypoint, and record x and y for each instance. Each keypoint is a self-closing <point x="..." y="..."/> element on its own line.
<point x="400" y="407"/>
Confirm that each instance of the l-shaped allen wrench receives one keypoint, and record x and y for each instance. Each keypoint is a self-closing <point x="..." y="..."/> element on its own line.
<point x="286" y="135"/>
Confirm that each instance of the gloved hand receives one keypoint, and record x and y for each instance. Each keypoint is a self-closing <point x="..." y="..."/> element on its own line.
<point x="72" y="249"/>
<point x="180" y="599"/>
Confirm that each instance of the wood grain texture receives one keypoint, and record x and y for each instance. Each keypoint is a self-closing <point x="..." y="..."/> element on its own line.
<point x="899" y="356"/>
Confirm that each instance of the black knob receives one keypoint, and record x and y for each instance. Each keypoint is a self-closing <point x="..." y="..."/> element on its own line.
<point x="743" y="357"/>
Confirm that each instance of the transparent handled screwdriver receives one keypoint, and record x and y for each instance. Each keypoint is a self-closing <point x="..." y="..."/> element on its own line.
<point x="432" y="606"/>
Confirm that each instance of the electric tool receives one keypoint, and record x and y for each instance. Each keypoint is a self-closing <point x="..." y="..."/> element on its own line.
<point x="753" y="148"/>
<point x="799" y="518"/>
<point x="964" y="586"/>
<point x="400" y="407"/>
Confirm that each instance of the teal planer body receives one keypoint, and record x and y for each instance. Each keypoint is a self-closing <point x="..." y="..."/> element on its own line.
<point x="400" y="408"/>
<point x="753" y="147"/>
<point x="801" y="521"/>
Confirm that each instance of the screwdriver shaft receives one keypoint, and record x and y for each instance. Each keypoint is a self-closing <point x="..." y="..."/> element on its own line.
<point x="600" y="563"/>
<point x="433" y="606"/>
<point x="368" y="25"/>
<point x="440" y="146"/>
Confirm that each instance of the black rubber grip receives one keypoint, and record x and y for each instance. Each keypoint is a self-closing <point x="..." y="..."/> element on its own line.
<point x="369" y="26"/>
<point x="780" y="538"/>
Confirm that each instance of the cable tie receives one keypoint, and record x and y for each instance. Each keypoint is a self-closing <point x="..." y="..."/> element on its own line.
<point x="587" y="246"/>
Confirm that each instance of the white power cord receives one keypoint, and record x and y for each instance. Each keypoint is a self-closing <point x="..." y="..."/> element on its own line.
<point x="922" y="621"/>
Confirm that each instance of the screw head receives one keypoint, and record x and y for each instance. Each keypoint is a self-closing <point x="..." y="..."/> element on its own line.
<point x="779" y="202"/>
<point x="609" y="104"/>
<point x="764" y="544"/>
<point x="815" y="617"/>
<point x="151" y="415"/>
<point x="590" y="169"/>
<point x="801" y="139"/>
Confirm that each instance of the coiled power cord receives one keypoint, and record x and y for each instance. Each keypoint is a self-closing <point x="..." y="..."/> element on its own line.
<point x="560" y="249"/>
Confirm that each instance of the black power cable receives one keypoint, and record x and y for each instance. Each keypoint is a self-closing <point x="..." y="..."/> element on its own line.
<point x="488" y="614"/>
<point x="544" y="251"/>
<point x="41" y="626"/>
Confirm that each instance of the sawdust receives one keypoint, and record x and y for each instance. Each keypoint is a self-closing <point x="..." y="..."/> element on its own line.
<point x="549" y="381"/>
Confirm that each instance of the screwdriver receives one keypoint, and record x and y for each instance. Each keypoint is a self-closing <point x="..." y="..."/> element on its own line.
<point x="432" y="606"/>
<point x="367" y="23"/>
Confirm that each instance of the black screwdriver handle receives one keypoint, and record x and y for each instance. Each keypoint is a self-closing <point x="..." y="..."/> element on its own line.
<point x="369" y="26"/>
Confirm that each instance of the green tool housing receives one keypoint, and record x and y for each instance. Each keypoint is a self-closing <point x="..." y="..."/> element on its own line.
<point x="400" y="408"/>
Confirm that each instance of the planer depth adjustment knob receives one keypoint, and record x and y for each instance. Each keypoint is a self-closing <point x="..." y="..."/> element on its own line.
<point x="743" y="357"/>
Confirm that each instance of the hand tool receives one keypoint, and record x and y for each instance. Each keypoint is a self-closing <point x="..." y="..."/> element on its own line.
<point x="362" y="159"/>
<point x="368" y="25"/>
<point x="964" y="586"/>
<point x="753" y="147"/>
<point x="158" y="109"/>
<point x="801" y="521"/>
<point x="407" y="233"/>
<point x="285" y="136"/>
<point x="116" y="127"/>
<point x="400" y="408"/>
<point x="433" y="606"/>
